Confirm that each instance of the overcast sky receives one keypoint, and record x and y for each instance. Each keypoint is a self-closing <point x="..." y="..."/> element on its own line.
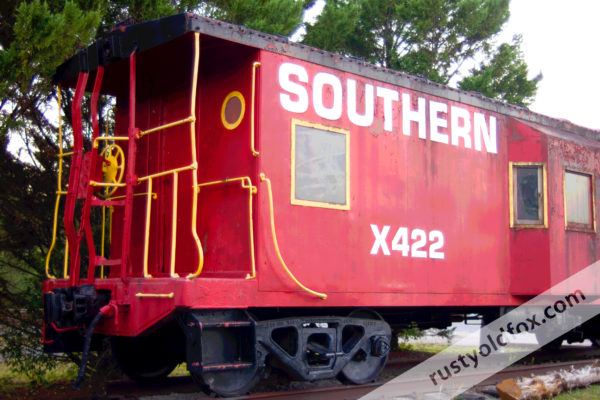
<point x="560" y="39"/>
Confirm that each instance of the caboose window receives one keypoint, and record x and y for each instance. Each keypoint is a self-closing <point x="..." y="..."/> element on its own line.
<point x="527" y="189"/>
<point x="320" y="166"/>
<point x="579" y="200"/>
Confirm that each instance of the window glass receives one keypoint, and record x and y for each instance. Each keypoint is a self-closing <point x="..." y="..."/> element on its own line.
<point x="528" y="189"/>
<point x="578" y="199"/>
<point x="528" y="195"/>
<point x="320" y="165"/>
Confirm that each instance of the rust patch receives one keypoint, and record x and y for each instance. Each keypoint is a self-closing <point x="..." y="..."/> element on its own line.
<point x="376" y="127"/>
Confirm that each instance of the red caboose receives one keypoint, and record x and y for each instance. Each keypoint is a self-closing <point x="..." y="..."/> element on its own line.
<point x="263" y="202"/>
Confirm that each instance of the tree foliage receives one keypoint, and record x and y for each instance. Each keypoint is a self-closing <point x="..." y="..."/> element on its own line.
<point x="504" y="76"/>
<point x="36" y="36"/>
<point x="427" y="37"/>
<point x="431" y="38"/>
<point x="279" y="17"/>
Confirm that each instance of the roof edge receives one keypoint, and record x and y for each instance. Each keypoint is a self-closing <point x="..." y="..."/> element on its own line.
<point x="122" y="40"/>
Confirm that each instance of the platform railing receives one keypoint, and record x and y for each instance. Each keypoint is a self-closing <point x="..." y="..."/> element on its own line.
<point x="193" y="167"/>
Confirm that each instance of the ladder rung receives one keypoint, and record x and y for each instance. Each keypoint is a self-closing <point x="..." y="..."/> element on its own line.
<point x="98" y="260"/>
<point x="107" y="203"/>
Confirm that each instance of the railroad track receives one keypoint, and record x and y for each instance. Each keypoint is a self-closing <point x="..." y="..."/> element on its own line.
<point x="182" y="385"/>
<point x="355" y="392"/>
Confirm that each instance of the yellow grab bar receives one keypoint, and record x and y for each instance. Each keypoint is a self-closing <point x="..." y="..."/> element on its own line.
<point x="147" y="228"/>
<point x="171" y="171"/>
<point x="56" y="206"/>
<point x="174" y="224"/>
<point x="194" y="159"/>
<point x="246" y="184"/>
<point x="272" y="217"/>
<point x="254" y="67"/>
<point x="66" y="264"/>
<point x="156" y="295"/>
<point x="175" y="172"/>
<point x="102" y="240"/>
<point x="107" y="184"/>
<point x="154" y="196"/>
<point x="165" y="126"/>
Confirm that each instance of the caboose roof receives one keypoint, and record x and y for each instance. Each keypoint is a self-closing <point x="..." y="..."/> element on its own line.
<point x="123" y="39"/>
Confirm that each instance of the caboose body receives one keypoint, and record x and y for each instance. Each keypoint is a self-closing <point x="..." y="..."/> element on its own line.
<point x="257" y="192"/>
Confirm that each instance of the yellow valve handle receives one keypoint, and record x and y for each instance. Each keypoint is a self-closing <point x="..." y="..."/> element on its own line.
<point x="113" y="167"/>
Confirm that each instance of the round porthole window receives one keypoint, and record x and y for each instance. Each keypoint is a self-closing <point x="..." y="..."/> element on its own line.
<point x="232" y="111"/>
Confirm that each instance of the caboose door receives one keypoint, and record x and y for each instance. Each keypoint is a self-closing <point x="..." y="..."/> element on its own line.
<point x="226" y="162"/>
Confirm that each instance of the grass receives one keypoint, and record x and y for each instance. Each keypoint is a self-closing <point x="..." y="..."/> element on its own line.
<point x="54" y="384"/>
<point x="589" y="393"/>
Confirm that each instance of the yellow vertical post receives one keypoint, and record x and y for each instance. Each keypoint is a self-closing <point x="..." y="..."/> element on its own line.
<point x="254" y="67"/>
<point x="194" y="160"/>
<point x="102" y="240"/>
<point x="59" y="190"/>
<point x="66" y="264"/>
<point x="251" y="191"/>
<point x="147" y="228"/>
<point x="174" y="224"/>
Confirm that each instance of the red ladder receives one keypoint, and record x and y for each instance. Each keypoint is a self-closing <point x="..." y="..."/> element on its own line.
<point x="79" y="162"/>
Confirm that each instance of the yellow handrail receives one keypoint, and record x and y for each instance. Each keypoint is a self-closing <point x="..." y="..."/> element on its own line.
<point x="107" y="184"/>
<point x="165" y="126"/>
<point x="147" y="228"/>
<point x="169" y="172"/>
<point x="59" y="190"/>
<point x="102" y="240"/>
<point x="246" y="184"/>
<point x="174" y="224"/>
<point x="194" y="160"/>
<point x="56" y="206"/>
<point x="66" y="263"/>
<point x="156" y="295"/>
<point x="175" y="172"/>
<point x="154" y="196"/>
<point x="272" y="217"/>
<point x="254" y="67"/>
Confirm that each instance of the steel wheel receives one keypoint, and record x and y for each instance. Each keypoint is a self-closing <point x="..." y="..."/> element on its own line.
<point x="141" y="361"/>
<point x="364" y="366"/>
<point x="228" y="383"/>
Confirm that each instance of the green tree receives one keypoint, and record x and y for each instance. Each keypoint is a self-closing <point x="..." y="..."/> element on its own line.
<point x="431" y="38"/>
<point x="280" y="17"/>
<point x="36" y="36"/>
<point x="504" y="76"/>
